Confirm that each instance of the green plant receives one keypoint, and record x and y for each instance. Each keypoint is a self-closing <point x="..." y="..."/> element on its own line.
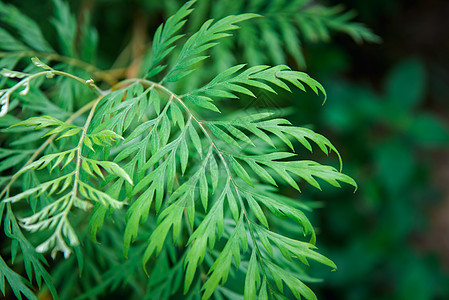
<point x="189" y="198"/>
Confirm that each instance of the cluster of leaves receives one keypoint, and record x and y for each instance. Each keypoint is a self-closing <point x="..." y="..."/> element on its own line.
<point x="279" y="37"/>
<point x="194" y="196"/>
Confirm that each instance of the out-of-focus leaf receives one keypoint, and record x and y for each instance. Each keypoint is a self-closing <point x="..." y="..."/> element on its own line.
<point x="406" y="84"/>
<point x="428" y="130"/>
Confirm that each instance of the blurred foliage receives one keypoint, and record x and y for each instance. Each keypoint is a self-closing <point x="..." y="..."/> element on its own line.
<point x="388" y="114"/>
<point x="375" y="234"/>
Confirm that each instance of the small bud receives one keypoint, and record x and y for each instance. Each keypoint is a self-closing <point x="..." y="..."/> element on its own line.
<point x="40" y="64"/>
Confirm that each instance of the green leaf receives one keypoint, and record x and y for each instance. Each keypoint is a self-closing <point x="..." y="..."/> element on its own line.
<point x="155" y="100"/>
<point x="89" y="39"/>
<point x="213" y="167"/>
<point x="33" y="261"/>
<point x="183" y="155"/>
<point x="298" y="288"/>
<point x="96" y="221"/>
<point x="203" y="102"/>
<point x="406" y="84"/>
<point x="139" y="130"/>
<point x="256" y="209"/>
<point x="114" y="168"/>
<point x="221" y="267"/>
<point x="99" y="196"/>
<point x="164" y="37"/>
<point x="65" y="25"/>
<point x="238" y="134"/>
<point x="164" y="133"/>
<point x="261" y="172"/>
<point x="69" y="133"/>
<point x="195" y="139"/>
<point x="25" y="27"/>
<point x="256" y="77"/>
<point x="427" y="130"/>
<point x="138" y="212"/>
<point x="220" y="134"/>
<point x="86" y="167"/>
<point x="88" y="142"/>
<point x="17" y="283"/>
<point x="201" y="41"/>
<point x="198" y="240"/>
<point x="285" y="210"/>
<point x="104" y="137"/>
<point x="240" y="171"/>
<point x="40" y="122"/>
<point x="171" y="216"/>
<point x="13" y="74"/>
<point x="323" y="143"/>
<point x="204" y="190"/>
<point x="177" y="116"/>
<point x="252" y="280"/>
<point x="233" y="205"/>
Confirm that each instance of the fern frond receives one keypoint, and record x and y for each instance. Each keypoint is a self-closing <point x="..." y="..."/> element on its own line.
<point x="54" y="216"/>
<point x="287" y="26"/>
<point x="17" y="283"/>
<point x="34" y="262"/>
<point x="65" y="26"/>
<point x="219" y="271"/>
<point x="318" y="19"/>
<point x="200" y="41"/>
<point x="228" y="83"/>
<point x="169" y="153"/>
<point x="163" y="39"/>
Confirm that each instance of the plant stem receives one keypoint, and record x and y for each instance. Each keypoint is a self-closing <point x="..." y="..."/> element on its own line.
<point x="96" y="72"/>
